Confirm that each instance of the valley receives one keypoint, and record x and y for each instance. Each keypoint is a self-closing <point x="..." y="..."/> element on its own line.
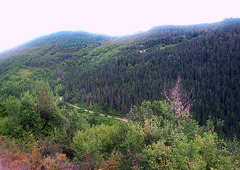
<point x="167" y="98"/>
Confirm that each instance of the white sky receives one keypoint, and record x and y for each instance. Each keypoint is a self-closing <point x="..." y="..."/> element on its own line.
<point x="23" y="20"/>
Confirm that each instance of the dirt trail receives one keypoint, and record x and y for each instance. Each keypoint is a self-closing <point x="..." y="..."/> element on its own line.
<point x="101" y="114"/>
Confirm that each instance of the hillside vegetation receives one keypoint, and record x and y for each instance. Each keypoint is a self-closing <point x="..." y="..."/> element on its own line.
<point x="178" y="84"/>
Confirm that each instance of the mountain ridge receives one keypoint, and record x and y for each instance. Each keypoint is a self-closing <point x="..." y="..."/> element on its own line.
<point x="161" y="27"/>
<point x="51" y="39"/>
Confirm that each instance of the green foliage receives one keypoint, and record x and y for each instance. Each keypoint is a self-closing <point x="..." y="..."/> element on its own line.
<point x="134" y="140"/>
<point x="199" y="153"/>
<point x="158" y="156"/>
<point x="97" y="141"/>
<point x="37" y="114"/>
<point x="110" y="76"/>
<point x="63" y="135"/>
<point x="3" y="112"/>
<point x="96" y="119"/>
<point x="148" y="109"/>
<point x="163" y="125"/>
<point x="13" y="106"/>
<point x="93" y="69"/>
<point x="46" y="106"/>
<point x="28" y="117"/>
<point x="158" y="142"/>
<point x="10" y="125"/>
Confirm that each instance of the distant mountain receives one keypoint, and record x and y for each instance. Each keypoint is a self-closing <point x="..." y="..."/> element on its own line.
<point x="119" y="72"/>
<point x="57" y="41"/>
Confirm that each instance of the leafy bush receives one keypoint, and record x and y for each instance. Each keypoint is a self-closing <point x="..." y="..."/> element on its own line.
<point x="95" y="143"/>
<point x="199" y="153"/>
<point x="35" y="113"/>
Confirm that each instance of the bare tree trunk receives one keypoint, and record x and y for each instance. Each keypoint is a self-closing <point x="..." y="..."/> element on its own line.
<point x="180" y="101"/>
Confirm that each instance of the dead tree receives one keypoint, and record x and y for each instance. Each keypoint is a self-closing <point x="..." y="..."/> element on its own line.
<point x="180" y="100"/>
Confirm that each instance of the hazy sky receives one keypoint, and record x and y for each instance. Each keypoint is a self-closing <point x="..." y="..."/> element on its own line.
<point x="22" y="20"/>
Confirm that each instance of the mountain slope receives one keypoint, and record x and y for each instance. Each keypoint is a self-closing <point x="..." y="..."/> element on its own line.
<point x="122" y="72"/>
<point x="41" y="57"/>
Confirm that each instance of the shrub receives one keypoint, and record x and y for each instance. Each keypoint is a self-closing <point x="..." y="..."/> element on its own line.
<point x="199" y="153"/>
<point x="35" y="158"/>
<point x="93" y="145"/>
<point x="10" y="156"/>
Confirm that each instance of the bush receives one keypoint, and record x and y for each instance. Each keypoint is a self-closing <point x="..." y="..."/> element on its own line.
<point x="93" y="145"/>
<point x="199" y="153"/>
<point x="10" y="156"/>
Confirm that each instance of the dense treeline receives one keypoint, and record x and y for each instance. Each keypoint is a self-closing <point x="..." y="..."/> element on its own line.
<point x="208" y="62"/>
<point x="44" y="58"/>
<point x="39" y="131"/>
<point x="195" y="66"/>
<point x="121" y="72"/>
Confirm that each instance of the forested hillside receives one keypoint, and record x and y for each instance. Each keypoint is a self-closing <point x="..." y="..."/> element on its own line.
<point x="178" y="87"/>
<point x="119" y="72"/>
